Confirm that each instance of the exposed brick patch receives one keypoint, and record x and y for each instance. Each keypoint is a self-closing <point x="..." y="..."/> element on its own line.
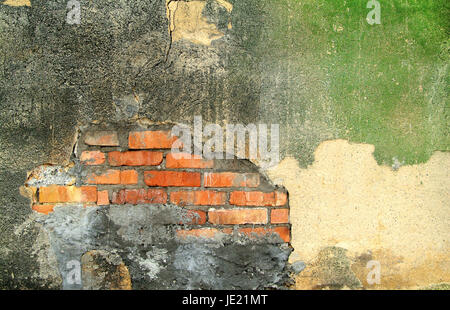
<point x="208" y="197"/>
<point x="202" y="198"/>
<point x="151" y="140"/>
<point x="56" y="193"/>
<point x="187" y="161"/>
<point x="172" y="178"/>
<point x="102" y="138"/>
<point x="92" y="158"/>
<point x="139" y="196"/>
<point x="241" y="198"/>
<point x="231" y="179"/>
<point x="238" y="216"/>
<point x="135" y="158"/>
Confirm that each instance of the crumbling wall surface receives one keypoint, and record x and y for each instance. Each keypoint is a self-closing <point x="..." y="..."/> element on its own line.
<point x="130" y="213"/>
<point x="151" y="255"/>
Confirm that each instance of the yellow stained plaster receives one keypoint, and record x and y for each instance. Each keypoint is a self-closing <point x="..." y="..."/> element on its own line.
<point x="186" y="21"/>
<point x="346" y="199"/>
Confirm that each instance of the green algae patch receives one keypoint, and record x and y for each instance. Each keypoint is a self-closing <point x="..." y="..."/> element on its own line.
<point x="326" y="73"/>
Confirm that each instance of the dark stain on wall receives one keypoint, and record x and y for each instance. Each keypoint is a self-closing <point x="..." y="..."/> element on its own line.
<point x="119" y="63"/>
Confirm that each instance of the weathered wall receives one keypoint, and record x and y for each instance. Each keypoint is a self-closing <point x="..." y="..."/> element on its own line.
<point x="315" y="67"/>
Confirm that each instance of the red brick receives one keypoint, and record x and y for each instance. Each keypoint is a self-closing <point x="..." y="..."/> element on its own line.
<point x="139" y="196"/>
<point x="201" y="232"/>
<point x="280" y="199"/>
<point x="111" y="177"/>
<point x="57" y="193"/>
<point x="283" y="232"/>
<point x="183" y="160"/>
<point x="195" y="217"/>
<point x="137" y="158"/>
<point x="92" y="158"/>
<point x="128" y="177"/>
<point x="118" y="198"/>
<point x="231" y="179"/>
<point x="238" y="216"/>
<point x="241" y="198"/>
<point x="102" y="138"/>
<point x="45" y="209"/>
<point x="102" y="198"/>
<point x="279" y="216"/>
<point x="151" y="140"/>
<point x="108" y="177"/>
<point x="172" y="178"/>
<point x="201" y="198"/>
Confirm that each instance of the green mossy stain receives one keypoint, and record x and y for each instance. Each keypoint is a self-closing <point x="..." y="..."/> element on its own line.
<point x="326" y="73"/>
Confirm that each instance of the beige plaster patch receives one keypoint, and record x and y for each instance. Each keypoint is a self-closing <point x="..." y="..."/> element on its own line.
<point x="345" y="199"/>
<point x="186" y="21"/>
<point x="17" y="2"/>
